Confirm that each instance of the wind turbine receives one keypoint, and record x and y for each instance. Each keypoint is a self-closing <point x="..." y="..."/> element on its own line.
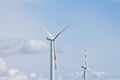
<point x="85" y="67"/>
<point x="52" y="39"/>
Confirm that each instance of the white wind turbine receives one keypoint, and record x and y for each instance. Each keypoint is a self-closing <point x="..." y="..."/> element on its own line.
<point x="52" y="39"/>
<point x="85" y="67"/>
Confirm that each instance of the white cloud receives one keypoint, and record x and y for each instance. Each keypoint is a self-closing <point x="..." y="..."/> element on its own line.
<point x="35" y="46"/>
<point x="3" y="66"/>
<point x="37" y="76"/>
<point x="18" y="46"/>
<point x="90" y="73"/>
<point x="99" y="74"/>
<point x="42" y="78"/>
<point x="59" y="77"/>
<point x="33" y="75"/>
<point x="16" y="75"/>
<point x="10" y="46"/>
<point x="11" y="74"/>
<point x="76" y="75"/>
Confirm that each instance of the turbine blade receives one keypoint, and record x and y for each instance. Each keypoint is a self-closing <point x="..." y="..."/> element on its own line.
<point x="97" y="73"/>
<point x="61" y="32"/>
<point x="45" y="29"/>
<point x="89" y="69"/>
<point x="85" y="57"/>
<point x="54" y="50"/>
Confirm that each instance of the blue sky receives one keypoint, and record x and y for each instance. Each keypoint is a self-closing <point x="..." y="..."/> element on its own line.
<point x="94" y="27"/>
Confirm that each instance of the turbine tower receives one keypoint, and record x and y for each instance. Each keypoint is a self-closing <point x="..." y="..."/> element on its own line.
<point x="85" y="66"/>
<point x="52" y="39"/>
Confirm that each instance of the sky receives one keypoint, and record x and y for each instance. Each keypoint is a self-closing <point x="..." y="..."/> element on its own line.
<point x="94" y="26"/>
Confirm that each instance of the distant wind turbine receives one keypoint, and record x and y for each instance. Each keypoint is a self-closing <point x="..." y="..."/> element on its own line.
<point x="85" y="67"/>
<point x="52" y="39"/>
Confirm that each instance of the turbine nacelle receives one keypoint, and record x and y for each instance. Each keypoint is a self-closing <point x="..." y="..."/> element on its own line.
<point x="50" y="39"/>
<point x="85" y="67"/>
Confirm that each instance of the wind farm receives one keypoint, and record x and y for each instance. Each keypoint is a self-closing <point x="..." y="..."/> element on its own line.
<point x="87" y="50"/>
<point x="53" y="64"/>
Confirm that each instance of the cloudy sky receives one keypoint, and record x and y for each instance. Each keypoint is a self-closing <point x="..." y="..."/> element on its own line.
<point x="24" y="51"/>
